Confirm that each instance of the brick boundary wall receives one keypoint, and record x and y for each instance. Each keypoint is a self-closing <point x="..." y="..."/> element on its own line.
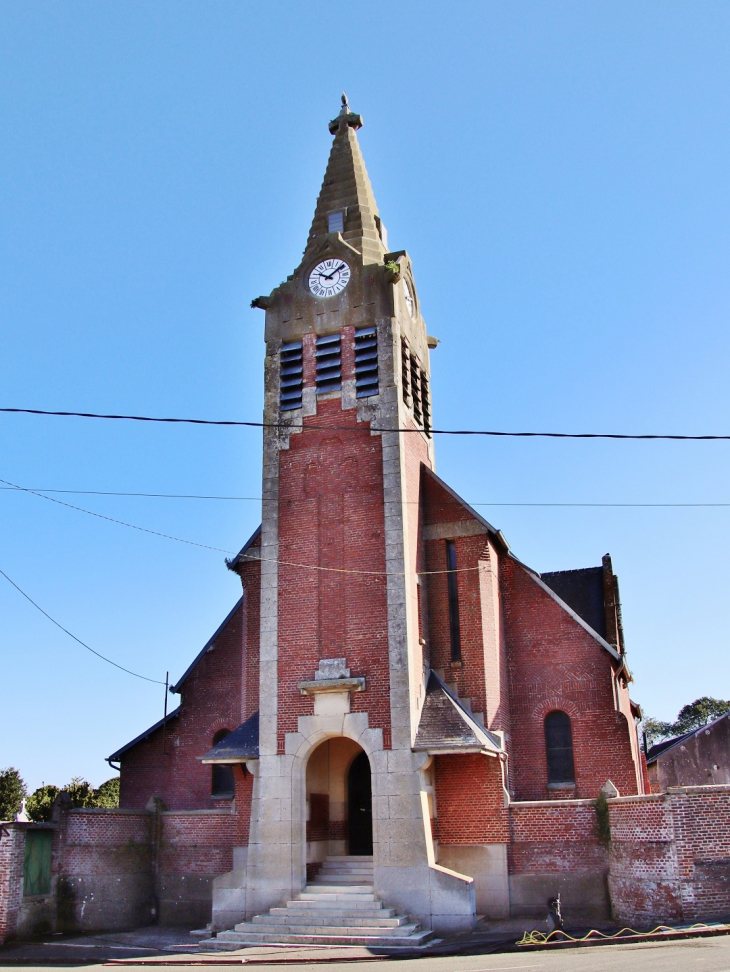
<point x="554" y="849"/>
<point x="196" y="846"/>
<point x="669" y="861"/>
<point x="12" y="842"/>
<point x="670" y="856"/>
<point x="120" y="869"/>
<point x="105" y="870"/>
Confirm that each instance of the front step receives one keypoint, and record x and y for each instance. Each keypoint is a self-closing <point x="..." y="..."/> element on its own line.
<point x="290" y="916"/>
<point x="231" y="941"/>
<point x="339" y="907"/>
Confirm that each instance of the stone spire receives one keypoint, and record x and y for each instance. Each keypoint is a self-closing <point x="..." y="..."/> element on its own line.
<point x="346" y="188"/>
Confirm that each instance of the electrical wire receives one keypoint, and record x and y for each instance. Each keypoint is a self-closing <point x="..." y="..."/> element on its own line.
<point x="111" y="519"/>
<point x="82" y="643"/>
<point x="260" y="499"/>
<point x="243" y="556"/>
<point x="370" y="428"/>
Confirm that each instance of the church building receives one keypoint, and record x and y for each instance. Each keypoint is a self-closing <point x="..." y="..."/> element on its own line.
<point x="394" y="681"/>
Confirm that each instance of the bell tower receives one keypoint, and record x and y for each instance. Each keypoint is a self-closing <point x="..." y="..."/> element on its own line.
<point x="347" y="416"/>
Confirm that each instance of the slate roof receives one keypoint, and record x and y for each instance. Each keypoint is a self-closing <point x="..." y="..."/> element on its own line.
<point x="207" y="646"/>
<point x="232" y="564"/>
<point x="241" y="744"/>
<point x="583" y="591"/>
<point x="142" y="736"/>
<point x="446" y="727"/>
<point x="658" y="748"/>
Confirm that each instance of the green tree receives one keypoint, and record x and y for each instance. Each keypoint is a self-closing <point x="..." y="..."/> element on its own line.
<point x="12" y="792"/>
<point x="81" y="793"/>
<point x="40" y="803"/>
<point x="108" y="794"/>
<point x="691" y="717"/>
<point x="699" y="713"/>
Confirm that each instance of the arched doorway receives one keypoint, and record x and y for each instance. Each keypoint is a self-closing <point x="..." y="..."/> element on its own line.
<point x="339" y="816"/>
<point x="360" y="806"/>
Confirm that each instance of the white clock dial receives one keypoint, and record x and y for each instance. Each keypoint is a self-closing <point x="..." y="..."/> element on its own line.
<point x="410" y="303"/>
<point x="329" y="277"/>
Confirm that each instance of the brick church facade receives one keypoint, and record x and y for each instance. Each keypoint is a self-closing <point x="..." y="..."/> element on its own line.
<point x="394" y="687"/>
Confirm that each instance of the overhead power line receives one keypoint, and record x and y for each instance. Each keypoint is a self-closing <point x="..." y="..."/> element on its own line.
<point x="371" y="428"/>
<point x="82" y="643"/>
<point x="260" y="499"/>
<point x="205" y="546"/>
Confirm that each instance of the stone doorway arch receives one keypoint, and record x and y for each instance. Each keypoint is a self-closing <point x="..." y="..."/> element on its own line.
<point x="338" y="801"/>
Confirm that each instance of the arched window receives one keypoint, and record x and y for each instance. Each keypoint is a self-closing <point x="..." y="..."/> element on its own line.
<point x="559" y="748"/>
<point x="221" y="785"/>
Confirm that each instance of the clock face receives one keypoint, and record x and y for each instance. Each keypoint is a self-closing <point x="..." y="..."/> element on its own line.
<point x="329" y="277"/>
<point x="410" y="303"/>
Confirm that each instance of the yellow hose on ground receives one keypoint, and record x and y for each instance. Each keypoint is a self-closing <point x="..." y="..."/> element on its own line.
<point x="558" y="936"/>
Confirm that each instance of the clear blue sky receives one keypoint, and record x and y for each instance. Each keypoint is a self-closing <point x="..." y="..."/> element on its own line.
<point x="557" y="171"/>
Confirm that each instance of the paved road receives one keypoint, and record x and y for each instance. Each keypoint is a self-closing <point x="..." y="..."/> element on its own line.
<point x="690" y="955"/>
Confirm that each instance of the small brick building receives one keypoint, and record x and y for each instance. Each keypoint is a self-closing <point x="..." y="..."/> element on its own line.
<point x="394" y="681"/>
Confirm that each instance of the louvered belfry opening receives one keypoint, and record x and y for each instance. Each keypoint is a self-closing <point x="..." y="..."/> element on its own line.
<point x="405" y="371"/>
<point x="366" y="361"/>
<point x="416" y="389"/>
<point x="290" y="382"/>
<point x="425" y="403"/>
<point x="328" y="355"/>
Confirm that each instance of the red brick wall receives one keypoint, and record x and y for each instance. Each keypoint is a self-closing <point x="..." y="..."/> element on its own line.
<point x="670" y="856"/>
<point x="643" y="877"/>
<point x="555" y="664"/>
<point x="197" y="842"/>
<point x="11" y="876"/>
<point x="331" y="514"/>
<point x="702" y="832"/>
<point x="210" y="701"/>
<point x="470" y="801"/>
<point x="555" y="837"/>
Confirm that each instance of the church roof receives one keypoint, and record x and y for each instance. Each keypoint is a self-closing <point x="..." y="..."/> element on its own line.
<point x="238" y="746"/>
<point x="346" y="188"/>
<point x="142" y="736"/>
<point x="583" y="591"/>
<point x="446" y="727"/>
<point x="210" y="643"/>
<point x="235" y="561"/>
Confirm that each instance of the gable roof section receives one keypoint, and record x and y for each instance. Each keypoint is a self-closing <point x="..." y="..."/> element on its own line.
<point x="142" y="736"/>
<point x="569" y="610"/>
<point x="663" y="747"/>
<point x="235" y="561"/>
<point x="429" y="474"/>
<point x="238" y="746"/>
<point x="207" y="646"/>
<point x="446" y="727"/>
<point x="583" y="591"/>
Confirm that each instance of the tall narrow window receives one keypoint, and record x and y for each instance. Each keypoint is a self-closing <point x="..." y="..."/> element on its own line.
<point x="416" y="389"/>
<point x="290" y="379"/>
<point x="366" y="361"/>
<point x="453" y="592"/>
<point x="328" y="355"/>
<point x="221" y="784"/>
<point x="405" y="359"/>
<point x="559" y="749"/>
<point x="425" y="403"/>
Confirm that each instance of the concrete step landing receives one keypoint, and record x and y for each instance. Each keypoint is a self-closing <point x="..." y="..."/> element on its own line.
<point x="339" y="907"/>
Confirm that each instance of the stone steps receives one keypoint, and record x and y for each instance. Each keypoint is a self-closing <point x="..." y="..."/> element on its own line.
<point x="339" y="907"/>
<point x="291" y="916"/>
<point x="256" y="927"/>
<point x="231" y="941"/>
